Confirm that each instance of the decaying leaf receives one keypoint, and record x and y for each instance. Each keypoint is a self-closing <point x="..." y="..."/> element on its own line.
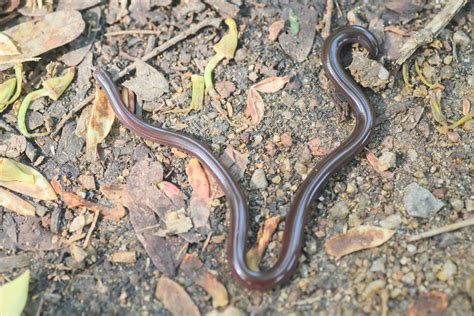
<point x="37" y="36"/>
<point x="10" y="171"/>
<point x="199" y="206"/>
<point x="255" y="105"/>
<point x="175" y="299"/>
<point x="13" y="295"/>
<point x="100" y="123"/>
<point x="193" y="267"/>
<point x="359" y="238"/>
<point x="432" y="303"/>
<point x="255" y="254"/>
<point x="15" y="203"/>
<point x="39" y="188"/>
<point x="176" y="223"/>
<point x="235" y="161"/>
<point x="271" y="84"/>
<point x="7" y="48"/>
<point x="374" y="162"/>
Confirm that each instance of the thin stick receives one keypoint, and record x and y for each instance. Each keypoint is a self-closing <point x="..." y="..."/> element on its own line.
<point x="431" y="30"/>
<point x="441" y="230"/>
<point x="68" y="116"/>
<point x="327" y="19"/>
<point x="133" y="32"/>
<point x="91" y="229"/>
<point x="214" y="22"/>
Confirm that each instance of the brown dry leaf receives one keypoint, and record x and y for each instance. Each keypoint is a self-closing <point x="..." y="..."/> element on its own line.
<point x="175" y="298"/>
<point x="255" y="254"/>
<point x="275" y="29"/>
<point x="72" y="200"/>
<point x="255" y="106"/>
<point x="16" y="204"/>
<point x="374" y="162"/>
<point x="100" y="122"/>
<point x="235" y="161"/>
<point x="432" y="303"/>
<point x="117" y="193"/>
<point x="271" y="84"/>
<point x="177" y="197"/>
<point x="200" y="203"/>
<point x="193" y="267"/>
<point x="359" y="238"/>
<point x="40" y="35"/>
<point x="7" y="48"/>
<point x="39" y="188"/>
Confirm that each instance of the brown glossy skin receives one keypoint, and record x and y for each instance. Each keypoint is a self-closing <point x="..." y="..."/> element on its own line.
<point x="309" y="189"/>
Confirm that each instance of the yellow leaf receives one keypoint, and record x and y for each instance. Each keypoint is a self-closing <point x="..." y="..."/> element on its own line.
<point x="57" y="85"/>
<point x="7" y="48"/>
<point x="100" y="122"/>
<point x="228" y="44"/>
<point x="14" y="294"/>
<point x="10" y="171"/>
<point x="39" y="188"/>
<point x="16" y="204"/>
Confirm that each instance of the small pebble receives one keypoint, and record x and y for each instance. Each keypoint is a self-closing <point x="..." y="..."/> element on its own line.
<point x="469" y="205"/>
<point x="419" y="202"/>
<point x="456" y="204"/>
<point x="411" y="248"/>
<point x="351" y="188"/>
<point x="387" y="160"/>
<point x="301" y="169"/>
<point x="276" y="179"/>
<point x="461" y="38"/>
<point x="453" y="137"/>
<point x="258" y="180"/>
<point x="339" y="211"/>
<point x="448" y="271"/>
<point x="446" y="72"/>
<point x="286" y="140"/>
<point x="391" y="222"/>
<point x="77" y="223"/>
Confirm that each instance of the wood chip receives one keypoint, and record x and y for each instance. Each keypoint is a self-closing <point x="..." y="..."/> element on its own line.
<point x="429" y="304"/>
<point x="124" y="257"/>
<point x="175" y="298"/>
<point x="359" y="238"/>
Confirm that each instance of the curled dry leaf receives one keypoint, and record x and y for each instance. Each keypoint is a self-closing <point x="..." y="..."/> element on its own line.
<point x="175" y="298"/>
<point x="39" y="188"/>
<point x="193" y="267"/>
<point x="429" y="304"/>
<point x="255" y="104"/>
<point x="255" y="254"/>
<point x="38" y="36"/>
<point x="362" y="237"/>
<point x="100" y="123"/>
<point x="16" y="204"/>
<point x="374" y="162"/>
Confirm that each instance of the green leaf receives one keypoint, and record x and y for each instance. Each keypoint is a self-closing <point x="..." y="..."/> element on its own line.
<point x="10" y="171"/>
<point x="57" y="85"/>
<point x="13" y="295"/>
<point x="294" y="22"/>
<point x="197" y="99"/>
<point x="228" y="44"/>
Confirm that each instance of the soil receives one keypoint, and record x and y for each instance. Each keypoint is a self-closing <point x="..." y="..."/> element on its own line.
<point x="389" y="277"/>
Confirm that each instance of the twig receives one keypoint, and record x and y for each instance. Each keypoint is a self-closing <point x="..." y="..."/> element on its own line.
<point x="68" y="116"/>
<point x="431" y="30"/>
<point x="214" y="22"/>
<point x="441" y="230"/>
<point x="91" y="229"/>
<point x="327" y="19"/>
<point x="132" y="32"/>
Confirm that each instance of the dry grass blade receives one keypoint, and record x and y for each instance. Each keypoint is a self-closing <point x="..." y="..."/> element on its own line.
<point x="16" y="204"/>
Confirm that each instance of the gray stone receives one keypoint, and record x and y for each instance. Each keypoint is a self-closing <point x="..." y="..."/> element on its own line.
<point x="456" y="204"/>
<point x="339" y="211"/>
<point x="461" y="38"/>
<point x="391" y="222"/>
<point x="258" y="180"/>
<point x="419" y="202"/>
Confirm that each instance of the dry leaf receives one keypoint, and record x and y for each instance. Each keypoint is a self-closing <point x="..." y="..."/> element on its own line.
<point x="100" y="122"/>
<point x="255" y="106"/>
<point x="362" y="237"/>
<point x="271" y="84"/>
<point x="177" y="197"/>
<point x="16" y="204"/>
<point x="193" y="267"/>
<point x="432" y="303"/>
<point x="229" y="311"/>
<point x="374" y="162"/>
<point x="275" y="29"/>
<point x="7" y="48"/>
<point x="39" y="189"/>
<point x="38" y="36"/>
<point x="200" y="203"/>
<point x="176" y="223"/>
<point x="265" y="233"/>
<point x="175" y="299"/>
<point x="235" y="161"/>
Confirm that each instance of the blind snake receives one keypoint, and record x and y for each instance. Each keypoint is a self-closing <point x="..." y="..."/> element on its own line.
<point x="308" y="190"/>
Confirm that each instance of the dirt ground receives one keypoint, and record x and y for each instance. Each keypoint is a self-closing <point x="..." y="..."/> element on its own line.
<point x="301" y="122"/>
